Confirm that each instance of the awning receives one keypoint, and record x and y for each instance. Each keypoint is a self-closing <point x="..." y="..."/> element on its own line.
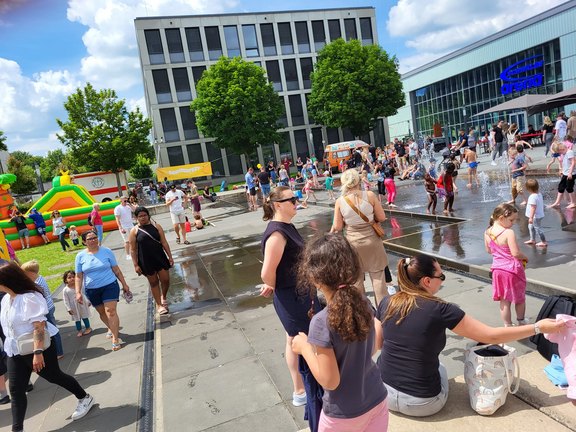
<point x="525" y="102"/>
<point x="560" y="99"/>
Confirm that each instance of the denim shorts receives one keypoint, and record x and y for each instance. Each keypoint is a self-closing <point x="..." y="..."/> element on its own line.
<point x="41" y="230"/>
<point x="23" y="233"/>
<point x="107" y="293"/>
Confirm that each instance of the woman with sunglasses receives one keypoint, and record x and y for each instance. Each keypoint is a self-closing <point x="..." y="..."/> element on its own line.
<point x="281" y="246"/>
<point x="414" y="323"/>
<point x="59" y="229"/>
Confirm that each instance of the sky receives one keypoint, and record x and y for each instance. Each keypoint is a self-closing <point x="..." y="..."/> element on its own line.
<point x="49" y="48"/>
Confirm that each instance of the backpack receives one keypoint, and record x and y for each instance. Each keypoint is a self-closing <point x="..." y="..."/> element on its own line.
<point x="89" y="220"/>
<point x="554" y="305"/>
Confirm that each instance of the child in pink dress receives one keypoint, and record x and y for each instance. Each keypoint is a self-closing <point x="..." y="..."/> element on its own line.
<point x="508" y="276"/>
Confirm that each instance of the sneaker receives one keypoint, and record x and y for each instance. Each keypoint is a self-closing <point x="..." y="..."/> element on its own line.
<point x="524" y="321"/>
<point x="299" y="399"/>
<point x="83" y="407"/>
<point x="5" y="400"/>
<point x="493" y="163"/>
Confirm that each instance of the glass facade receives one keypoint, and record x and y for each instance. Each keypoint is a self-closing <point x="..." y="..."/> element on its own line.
<point x="285" y="48"/>
<point x="454" y="101"/>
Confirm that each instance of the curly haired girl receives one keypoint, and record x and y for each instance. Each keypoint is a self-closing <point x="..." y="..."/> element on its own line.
<point x="341" y="340"/>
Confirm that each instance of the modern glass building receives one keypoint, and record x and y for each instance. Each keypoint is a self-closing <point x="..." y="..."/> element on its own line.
<point x="175" y="51"/>
<point x="536" y="56"/>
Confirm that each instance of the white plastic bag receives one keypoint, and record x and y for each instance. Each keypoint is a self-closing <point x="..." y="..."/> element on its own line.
<point x="491" y="372"/>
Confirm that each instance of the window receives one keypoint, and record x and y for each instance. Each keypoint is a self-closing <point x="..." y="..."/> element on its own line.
<point x="301" y="142"/>
<point x="366" y="31"/>
<point x="350" y="29"/>
<point x="273" y="70"/>
<point x="284" y="119"/>
<point x="319" y="35"/>
<point x="175" y="156"/>
<point x="194" y="153"/>
<point x="213" y="42"/>
<point x="334" y="29"/>
<point x="302" y="37"/>
<point x="182" y="84"/>
<point x="250" y="40"/>
<point x="291" y="75"/>
<point x="296" y="111"/>
<point x="162" y="86"/>
<point x="285" y="147"/>
<point x="318" y="143"/>
<point x="347" y="135"/>
<point x="189" y="123"/>
<point x="234" y="163"/>
<point x="197" y="72"/>
<point x="285" y="34"/>
<point x="268" y="40"/>
<point x="306" y="70"/>
<point x="169" y="125"/>
<point x="194" y="44"/>
<point x="232" y="41"/>
<point x="175" y="48"/>
<point x="215" y="158"/>
<point x="307" y="101"/>
<point x="333" y="135"/>
<point x="154" y="46"/>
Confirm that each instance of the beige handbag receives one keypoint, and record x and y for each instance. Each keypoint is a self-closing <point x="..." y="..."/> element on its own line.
<point x="25" y="342"/>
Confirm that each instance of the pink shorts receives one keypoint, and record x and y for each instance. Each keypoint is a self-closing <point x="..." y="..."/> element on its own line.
<point x="375" y="420"/>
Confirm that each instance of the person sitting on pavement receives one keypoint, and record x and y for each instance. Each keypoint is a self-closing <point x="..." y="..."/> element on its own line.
<point x="152" y="257"/>
<point x="24" y="312"/>
<point x="416" y="381"/>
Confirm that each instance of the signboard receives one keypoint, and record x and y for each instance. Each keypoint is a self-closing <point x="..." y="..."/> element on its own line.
<point x="184" y="171"/>
<point x="522" y="75"/>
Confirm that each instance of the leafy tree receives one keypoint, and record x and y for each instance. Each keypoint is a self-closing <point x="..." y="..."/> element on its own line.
<point x="237" y="105"/>
<point x="100" y="133"/>
<point x="141" y="168"/>
<point x="26" y="158"/>
<point x="25" y="176"/>
<point x="56" y="160"/>
<point x="3" y="145"/>
<point x="353" y="85"/>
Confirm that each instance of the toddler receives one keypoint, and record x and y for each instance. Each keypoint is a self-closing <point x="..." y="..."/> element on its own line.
<point x="329" y="184"/>
<point x="73" y="234"/>
<point x="198" y="222"/>
<point x="79" y="312"/>
<point x="430" y="186"/>
<point x="535" y="214"/>
<point x="508" y="276"/>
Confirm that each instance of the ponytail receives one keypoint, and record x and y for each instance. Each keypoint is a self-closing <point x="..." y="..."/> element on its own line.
<point x="268" y="204"/>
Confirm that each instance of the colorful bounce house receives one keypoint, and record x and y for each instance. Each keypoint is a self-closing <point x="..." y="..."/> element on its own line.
<point x="73" y="202"/>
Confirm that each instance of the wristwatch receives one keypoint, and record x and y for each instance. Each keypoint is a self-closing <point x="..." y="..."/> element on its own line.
<point x="537" y="329"/>
<point x="38" y="351"/>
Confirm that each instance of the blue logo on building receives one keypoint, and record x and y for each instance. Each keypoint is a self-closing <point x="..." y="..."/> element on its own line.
<point x="521" y="75"/>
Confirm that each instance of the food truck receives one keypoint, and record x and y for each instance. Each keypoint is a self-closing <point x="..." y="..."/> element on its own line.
<point x="342" y="151"/>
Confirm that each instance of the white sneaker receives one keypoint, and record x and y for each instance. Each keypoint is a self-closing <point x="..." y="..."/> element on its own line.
<point x="299" y="399"/>
<point x="524" y="321"/>
<point x="493" y="163"/>
<point x="128" y="258"/>
<point x="83" y="407"/>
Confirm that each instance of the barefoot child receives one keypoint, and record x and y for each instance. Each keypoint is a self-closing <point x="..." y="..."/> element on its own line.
<point x="555" y="156"/>
<point x="446" y="183"/>
<point x="340" y="341"/>
<point x="470" y="156"/>
<point x="508" y="276"/>
<point x="568" y="172"/>
<point x="329" y="184"/>
<point x="198" y="222"/>
<point x="308" y="191"/>
<point x="430" y="186"/>
<point x="517" y="170"/>
<point x="78" y="312"/>
<point x="535" y="214"/>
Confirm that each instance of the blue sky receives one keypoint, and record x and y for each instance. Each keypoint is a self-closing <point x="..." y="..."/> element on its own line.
<point x="48" y="48"/>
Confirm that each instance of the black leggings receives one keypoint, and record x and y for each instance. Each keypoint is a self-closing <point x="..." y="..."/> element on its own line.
<point x="63" y="242"/>
<point x="19" y="371"/>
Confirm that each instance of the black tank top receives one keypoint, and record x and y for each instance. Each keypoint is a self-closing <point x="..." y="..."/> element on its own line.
<point x="286" y="271"/>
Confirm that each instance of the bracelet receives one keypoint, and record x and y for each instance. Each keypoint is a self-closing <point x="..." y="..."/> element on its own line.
<point x="38" y="351"/>
<point x="537" y="330"/>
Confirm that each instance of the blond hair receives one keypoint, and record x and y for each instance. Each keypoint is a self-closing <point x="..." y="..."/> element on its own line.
<point x="547" y="121"/>
<point x="31" y="266"/>
<point x="350" y="180"/>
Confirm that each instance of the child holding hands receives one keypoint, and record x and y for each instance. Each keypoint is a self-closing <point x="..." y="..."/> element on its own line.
<point x="76" y="310"/>
<point x="508" y="276"/>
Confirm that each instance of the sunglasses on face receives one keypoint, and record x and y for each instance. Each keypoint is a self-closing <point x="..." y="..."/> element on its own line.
<point x="91" y="238"/>
<point x="442" y="277"/>
<point x="293" y="200"/>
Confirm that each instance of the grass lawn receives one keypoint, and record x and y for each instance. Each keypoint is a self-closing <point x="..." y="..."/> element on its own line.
<point x="53" y="261"/>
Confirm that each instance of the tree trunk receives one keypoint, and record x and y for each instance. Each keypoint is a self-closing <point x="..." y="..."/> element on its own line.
<point x="118" y="183"/>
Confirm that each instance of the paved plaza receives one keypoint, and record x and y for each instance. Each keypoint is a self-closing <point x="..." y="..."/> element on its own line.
<point x="217" y="362"/>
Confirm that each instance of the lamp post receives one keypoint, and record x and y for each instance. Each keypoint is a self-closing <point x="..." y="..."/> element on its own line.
<point x="409" y="132"/>
<point x="39" y="178"/>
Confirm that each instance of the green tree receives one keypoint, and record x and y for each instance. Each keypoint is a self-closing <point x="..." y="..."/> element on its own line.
<point x="353" y="85"/>
<point x="3" y="145"/>
<point x="237" y="105"/>
<point x="26" y="158"/>
<point x="25" y="176"/>
<point x="141" y="168"/>
<point x="57" y="160"/>
<point x="100" y="133"/>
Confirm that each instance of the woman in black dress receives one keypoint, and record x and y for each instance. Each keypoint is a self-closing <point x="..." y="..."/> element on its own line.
<point x="151" y="256"/>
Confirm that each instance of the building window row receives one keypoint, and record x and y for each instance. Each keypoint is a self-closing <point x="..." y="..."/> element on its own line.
<point x="255" y="42"/>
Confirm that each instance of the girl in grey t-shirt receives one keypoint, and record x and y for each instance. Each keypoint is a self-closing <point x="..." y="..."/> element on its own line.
<point x="341" y="340"/>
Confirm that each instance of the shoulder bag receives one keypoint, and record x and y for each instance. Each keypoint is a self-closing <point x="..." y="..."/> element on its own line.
<point x="25" y="342"/>
<point x="375" y="225"/>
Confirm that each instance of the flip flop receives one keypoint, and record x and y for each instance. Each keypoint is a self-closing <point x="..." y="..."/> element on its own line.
<point x="186" y="242"/>
<point x="178" y="240"/>
<point x="163" y="310"/>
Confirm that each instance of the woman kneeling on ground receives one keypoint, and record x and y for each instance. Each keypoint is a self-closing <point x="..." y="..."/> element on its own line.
<point x="414" y="323"/>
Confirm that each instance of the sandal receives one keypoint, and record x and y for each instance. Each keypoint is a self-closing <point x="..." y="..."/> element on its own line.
<point x="163" y="310"/>
<point x="186" y="242"/>
<point x="178" y="240"/>
<point x="118" y="345"/>
<point x="87" y="331"/>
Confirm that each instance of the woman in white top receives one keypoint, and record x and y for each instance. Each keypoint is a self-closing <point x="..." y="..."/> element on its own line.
<point x="360" y="234"/>
<point x="59" y="229"/>
<point x="24" y="312"/>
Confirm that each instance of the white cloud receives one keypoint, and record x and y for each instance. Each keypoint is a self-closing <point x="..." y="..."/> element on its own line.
<point x="433" y="28"/>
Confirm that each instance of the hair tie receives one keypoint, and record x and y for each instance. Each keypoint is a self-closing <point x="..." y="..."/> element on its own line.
<point x="407" y="262"/>
<point x="342" y="286"/>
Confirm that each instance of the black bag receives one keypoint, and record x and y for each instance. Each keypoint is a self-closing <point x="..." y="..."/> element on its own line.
<point x="66" y="230"/>
<point x="89" y="220"/>
<point x="556" y="304"/>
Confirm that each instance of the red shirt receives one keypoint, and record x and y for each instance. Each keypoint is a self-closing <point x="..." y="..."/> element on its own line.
<point x="95" y="218"/>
